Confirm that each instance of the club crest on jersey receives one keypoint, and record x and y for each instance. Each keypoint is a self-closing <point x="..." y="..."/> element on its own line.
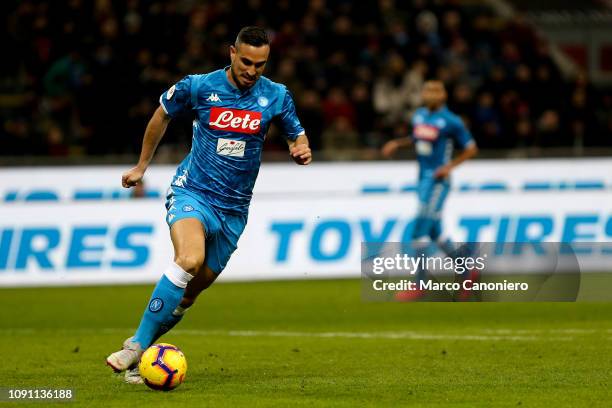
<point x="262" y="101"/>
<point x="235" y="120"/>
<point x="426" y="132"/>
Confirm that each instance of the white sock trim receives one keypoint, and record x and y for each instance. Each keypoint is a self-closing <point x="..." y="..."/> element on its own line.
<point x="177" y="275"/>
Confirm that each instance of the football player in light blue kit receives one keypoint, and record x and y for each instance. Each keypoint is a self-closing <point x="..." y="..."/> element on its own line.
<point x="435" y="132"/>
<point x="208" y="200"/>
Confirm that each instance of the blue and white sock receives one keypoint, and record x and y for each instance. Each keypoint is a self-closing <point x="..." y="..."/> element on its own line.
<point x="166" y="297"/>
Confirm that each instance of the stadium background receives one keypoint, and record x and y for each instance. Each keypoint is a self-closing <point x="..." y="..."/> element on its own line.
<point x="84" y="76"/>
<point x="79" y="83"/>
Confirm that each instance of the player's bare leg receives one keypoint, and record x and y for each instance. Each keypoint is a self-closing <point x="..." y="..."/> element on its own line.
<point x="203" y="279"/>
<point x="188" y="239"/>
<point x="184" y="248"/>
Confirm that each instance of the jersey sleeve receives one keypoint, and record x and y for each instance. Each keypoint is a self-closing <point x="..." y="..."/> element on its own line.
<point x="461" y="135"/>
<point x="287" y="118"/>
<point x="177" y="100"/>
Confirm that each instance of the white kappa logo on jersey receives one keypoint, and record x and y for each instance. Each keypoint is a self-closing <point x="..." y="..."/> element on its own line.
<point x="213" y="98"/>
<point x="180" y="180"/>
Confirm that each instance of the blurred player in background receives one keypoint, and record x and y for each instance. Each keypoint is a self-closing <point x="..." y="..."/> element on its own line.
<point x="208" y="200"/>
<point x="435" y="131"/>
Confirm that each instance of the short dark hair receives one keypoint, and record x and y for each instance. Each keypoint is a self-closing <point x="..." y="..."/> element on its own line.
<point x="252" y="35"/>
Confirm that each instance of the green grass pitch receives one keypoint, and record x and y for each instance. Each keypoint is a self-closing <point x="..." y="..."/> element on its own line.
<point x="314" y="343"/>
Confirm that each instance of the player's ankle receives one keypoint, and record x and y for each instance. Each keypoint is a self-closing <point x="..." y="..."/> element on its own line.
<point x="180" y="310"/>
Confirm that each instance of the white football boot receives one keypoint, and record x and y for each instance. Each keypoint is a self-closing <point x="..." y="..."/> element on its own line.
<point x="132" y="375"/>
<point x="126" y="357"/>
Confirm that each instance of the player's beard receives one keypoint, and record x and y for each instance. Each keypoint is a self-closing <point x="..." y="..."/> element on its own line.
<point x="237" y="81"/>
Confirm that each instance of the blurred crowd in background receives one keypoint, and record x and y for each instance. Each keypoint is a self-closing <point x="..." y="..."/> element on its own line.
<point x="83" y="77"/>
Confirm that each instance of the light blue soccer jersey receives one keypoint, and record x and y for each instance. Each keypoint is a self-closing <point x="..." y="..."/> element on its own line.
<point x="434" y="135"/>
<point x="228" y="134"/>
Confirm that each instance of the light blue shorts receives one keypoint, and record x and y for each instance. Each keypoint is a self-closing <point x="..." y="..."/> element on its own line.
<point x="432" y="194"/>
<point x="222" y="229"/>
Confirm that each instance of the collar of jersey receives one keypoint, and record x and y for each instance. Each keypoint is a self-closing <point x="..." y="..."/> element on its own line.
<point x="232" y="88"/>
<point x="442" y="109"/>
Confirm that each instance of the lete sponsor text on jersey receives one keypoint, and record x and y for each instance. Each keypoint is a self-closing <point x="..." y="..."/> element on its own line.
<point x="235" y="120"/>
<point x="426" y="132"/>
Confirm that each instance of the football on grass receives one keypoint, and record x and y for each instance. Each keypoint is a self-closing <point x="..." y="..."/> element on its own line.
<point x="163" y="367"/>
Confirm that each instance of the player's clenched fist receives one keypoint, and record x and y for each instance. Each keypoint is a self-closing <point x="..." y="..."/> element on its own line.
<point x="132" y="177"/>
<point x="301" y="154"/>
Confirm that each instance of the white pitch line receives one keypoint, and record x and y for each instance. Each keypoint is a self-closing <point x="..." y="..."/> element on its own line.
<point x="546" y="331"/>
<point x="484" y="334"/>
<point x="376" y="335"/>
<point x="500" y="334"/>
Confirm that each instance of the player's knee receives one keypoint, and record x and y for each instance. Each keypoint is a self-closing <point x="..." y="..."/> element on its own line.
<point x="190" y="263"/>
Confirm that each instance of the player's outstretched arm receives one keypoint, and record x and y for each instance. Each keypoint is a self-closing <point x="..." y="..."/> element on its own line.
<point x="300" y="151"/>
<point x="153" y="134"/>
<point x="393" y="145"/>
